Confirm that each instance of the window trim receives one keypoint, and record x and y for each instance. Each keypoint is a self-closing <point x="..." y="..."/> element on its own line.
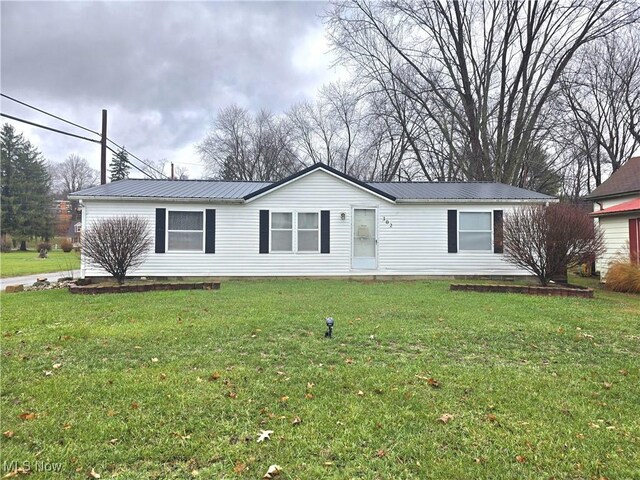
<point x="294" y="232"/>
<point x="491" y="231"/>
<point x="167" y="230"/>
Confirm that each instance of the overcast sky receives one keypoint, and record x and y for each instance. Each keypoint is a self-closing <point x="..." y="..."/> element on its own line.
<point x="162" y="70"/>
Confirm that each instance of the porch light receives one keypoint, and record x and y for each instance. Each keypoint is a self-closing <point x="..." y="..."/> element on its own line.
<point x="329" y="331"/>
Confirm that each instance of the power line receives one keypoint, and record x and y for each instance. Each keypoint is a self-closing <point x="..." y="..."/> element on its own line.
<point x="137" y="158"/>
<point x="130" y="163"/>
<point x="48" y="128"/>
<point x="47" y="113"/>
<point x="74" y="135"/>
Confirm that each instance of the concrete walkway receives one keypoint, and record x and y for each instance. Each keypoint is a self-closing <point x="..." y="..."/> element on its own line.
<point x="29" y="280"/>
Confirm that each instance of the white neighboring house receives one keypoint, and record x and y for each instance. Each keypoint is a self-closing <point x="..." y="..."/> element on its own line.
<point x="616" y="205"/>
<point x="317" y="222"/>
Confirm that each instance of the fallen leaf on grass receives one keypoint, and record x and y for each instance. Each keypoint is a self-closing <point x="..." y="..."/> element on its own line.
<point x="135" y="405"/>
<point x="154" y="359"/>
<point x="8" y="434"/>
<point x="623" y="372"/>
<point x="308" y="396"/>
<point x="163" y="376"/>
<point x="432" y="382"/>
<point x="360" y="393"/>
<point x="111" y="413"/>
<point x="492" y="418"/>
<point x="94" y="474"/>
<point x="27" y="416"/>
<point x="57" y="366"/>
<point x="214" y="376"/>
<point x="349" y="361"/>
<point x="521" y="459"/>
<point x="264" y="435"/>
<point x="380" y="453"/>
<point x="66" y="426"/>
<point x="17" y="471"/>
<point x="284" y="398"/>
<point x="445" y="418"/>
<point x="232" y="395"/>
<point x="296" y="421"/>
<point x="47" y="373"/>
<point x="113" y="441"/>
<point x="607" y="385"/>
<point x="272" y="472"/>
<point x="239" y="467"/>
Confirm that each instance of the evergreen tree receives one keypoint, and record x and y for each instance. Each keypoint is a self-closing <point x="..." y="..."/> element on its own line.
<point x="120" y="167"/>
<point x="25" y="188"/>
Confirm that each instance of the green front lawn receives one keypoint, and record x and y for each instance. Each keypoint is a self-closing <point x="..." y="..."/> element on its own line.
<point x="179" y="384"/>
<point x="14" y="264"/>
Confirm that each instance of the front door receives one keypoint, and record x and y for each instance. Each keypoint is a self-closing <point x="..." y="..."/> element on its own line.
<point x="365" y="242"/>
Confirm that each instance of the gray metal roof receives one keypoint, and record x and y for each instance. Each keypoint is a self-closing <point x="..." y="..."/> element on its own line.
<point x="173" y="189"/>
<point x="239" y="191"/>
<point x="457" y="191"/>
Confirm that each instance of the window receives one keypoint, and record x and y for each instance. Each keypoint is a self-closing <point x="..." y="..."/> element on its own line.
<point x="78" y="227"/>
<point x="308" y="232"/>
<point x="281" y="232"/>
<point x="185" y="231"/>
<point x="475" y="231"/>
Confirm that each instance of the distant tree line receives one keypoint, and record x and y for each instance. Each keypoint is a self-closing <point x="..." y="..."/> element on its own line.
<point x="542" y="95"/>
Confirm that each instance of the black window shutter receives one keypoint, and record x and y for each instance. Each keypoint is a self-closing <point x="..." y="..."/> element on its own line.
<point x="498" y="236"/>
<point x="325" y="232"/>
<point x="452" y="231"/>
<point x="264" y="231"/>
<point x="210" y="234"/>
<point x="161" y="220"/>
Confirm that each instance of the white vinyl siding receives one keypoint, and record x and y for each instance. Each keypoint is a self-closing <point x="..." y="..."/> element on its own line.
<point x="616" y="239"/>
<point x="413" y="242"/>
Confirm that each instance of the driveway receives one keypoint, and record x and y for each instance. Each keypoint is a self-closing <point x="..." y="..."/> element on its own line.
<point x="28" y="280"/>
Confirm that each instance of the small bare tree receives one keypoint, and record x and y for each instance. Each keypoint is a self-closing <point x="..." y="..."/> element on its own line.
<point x="117" y="244"/>
<point x="547" y="240"/>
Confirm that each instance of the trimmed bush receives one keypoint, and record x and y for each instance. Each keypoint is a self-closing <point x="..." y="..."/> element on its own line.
<point x="623" y="276"/>
<point x="44" y="246"/>
<point x="66" y="245"/>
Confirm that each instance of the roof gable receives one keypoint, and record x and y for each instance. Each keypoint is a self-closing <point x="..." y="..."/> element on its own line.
<point x="623" y="181"/>
<point x="327" y="169"/>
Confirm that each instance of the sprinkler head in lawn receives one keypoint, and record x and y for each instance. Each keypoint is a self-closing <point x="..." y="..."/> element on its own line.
<point x="329" y="332"/>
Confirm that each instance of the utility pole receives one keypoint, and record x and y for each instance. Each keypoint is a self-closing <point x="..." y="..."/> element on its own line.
<point x="103" y="149"/>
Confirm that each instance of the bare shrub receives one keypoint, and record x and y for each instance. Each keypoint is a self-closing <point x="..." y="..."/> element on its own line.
<point x="6" y="243"/>
<point x="117" y="244"/>
<point x="66" y="245"/>
<point x="546" y="240"/>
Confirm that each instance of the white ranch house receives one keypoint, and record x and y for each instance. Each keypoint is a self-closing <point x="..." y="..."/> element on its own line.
<point x="316" y="223"/>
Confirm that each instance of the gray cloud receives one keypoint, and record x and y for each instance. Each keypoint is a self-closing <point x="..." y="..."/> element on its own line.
<point x="161" y="69"/>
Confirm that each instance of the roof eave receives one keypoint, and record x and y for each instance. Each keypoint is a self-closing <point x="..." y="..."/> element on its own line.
<point x="327" y="169"/>
<point x="158" y="199"/>
<point x="476" y="200"/>
<point x="593" y="198"/>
